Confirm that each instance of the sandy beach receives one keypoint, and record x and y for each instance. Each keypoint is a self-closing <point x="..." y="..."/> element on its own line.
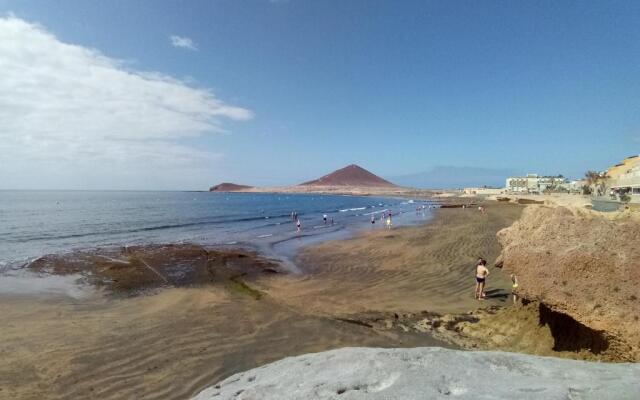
<point x="319" y="200"/>
<point x="148" y="341"/>
<point x="146" y="338"/>
<point x="412" y="269"/>
<point x="168" y="345"/>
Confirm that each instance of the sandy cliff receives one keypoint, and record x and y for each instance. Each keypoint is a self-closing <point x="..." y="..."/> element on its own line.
<point x="580" y="266"/>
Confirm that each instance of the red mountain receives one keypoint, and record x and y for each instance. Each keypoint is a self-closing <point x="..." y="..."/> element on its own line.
<point x="351" y="175"/>
<point x="228" y="187"/>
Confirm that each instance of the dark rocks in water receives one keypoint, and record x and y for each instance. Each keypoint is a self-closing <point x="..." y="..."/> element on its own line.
<point x="132" y="270"/>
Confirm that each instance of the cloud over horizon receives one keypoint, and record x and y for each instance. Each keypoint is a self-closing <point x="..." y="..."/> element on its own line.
<point x="74" y="112"/>
<point x="182" y="42"/>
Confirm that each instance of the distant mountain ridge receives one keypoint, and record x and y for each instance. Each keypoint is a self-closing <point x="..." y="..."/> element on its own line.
<point x="351" y="175"/>
<point x="228" y="187"/>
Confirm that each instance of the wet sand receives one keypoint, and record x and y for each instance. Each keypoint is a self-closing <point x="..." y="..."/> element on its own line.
<point x="169" y="345"/>
<point x="429" y="267"/>
<point x="168" y="342"/>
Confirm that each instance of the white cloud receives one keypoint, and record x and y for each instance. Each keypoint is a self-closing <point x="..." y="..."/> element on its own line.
<point x="182" y="42"/>
<point x="69" y="111"/>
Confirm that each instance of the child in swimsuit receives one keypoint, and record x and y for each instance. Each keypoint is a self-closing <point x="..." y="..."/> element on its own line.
<point x="514" y="287"/>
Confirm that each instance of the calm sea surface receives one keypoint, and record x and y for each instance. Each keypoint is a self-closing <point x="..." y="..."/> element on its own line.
<point x="35" y="223"/>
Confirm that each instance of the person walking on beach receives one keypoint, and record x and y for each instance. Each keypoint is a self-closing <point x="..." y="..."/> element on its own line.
<point x="481" y="277"/>
<point x="389" y="223"/>
<point x="373" y="219"/>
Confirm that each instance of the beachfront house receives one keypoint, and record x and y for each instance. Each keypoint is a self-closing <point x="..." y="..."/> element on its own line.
<point x="534" y="183"/>
<point x="623" y="180"/>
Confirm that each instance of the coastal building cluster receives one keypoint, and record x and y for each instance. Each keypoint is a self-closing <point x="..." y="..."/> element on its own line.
<point x="620" y="182"/>
<point x="536" y="184"/>
<point x="624" y="178"/>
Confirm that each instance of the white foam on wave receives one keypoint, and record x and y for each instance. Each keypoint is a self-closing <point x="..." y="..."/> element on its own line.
<point x="353" y="209"/>
<point x="28" y="283"/>
<point x="266" y="235"/>
<point x="377" y="212"/>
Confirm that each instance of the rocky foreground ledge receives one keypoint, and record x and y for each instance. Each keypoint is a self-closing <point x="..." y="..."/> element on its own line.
<point x="428" y="373"/>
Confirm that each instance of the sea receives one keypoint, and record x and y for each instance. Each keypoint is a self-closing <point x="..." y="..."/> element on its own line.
<point x="37" y="223"/>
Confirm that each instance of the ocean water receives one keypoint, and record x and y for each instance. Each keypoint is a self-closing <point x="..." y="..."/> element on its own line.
<point x="35" y="223"/>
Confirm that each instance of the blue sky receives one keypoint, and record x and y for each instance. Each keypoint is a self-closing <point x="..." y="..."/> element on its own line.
<point x="300" y="88"/>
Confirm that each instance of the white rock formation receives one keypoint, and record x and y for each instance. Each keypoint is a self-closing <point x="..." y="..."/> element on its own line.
<point x="428" y="373"/>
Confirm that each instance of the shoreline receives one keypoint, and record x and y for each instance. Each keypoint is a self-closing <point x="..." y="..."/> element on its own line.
<point x="164" y="342"/>
<point x="408" y="269"/>
<point x="259" y="235"/>
<point x="411" y="286"/>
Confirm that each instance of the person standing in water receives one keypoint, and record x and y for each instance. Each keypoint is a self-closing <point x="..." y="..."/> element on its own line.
<point x="481" y="276"/>
<point x="298" y="225"/>
<point x="373" y="219"/>
<point x="324" y="218"/>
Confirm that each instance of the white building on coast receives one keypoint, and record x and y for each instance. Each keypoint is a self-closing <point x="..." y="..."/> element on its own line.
<point x="624" y="179"/>
<point x="534" y="183"/>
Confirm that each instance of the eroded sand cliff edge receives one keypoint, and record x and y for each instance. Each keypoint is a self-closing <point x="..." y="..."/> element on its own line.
<point x="582" y="270"/>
